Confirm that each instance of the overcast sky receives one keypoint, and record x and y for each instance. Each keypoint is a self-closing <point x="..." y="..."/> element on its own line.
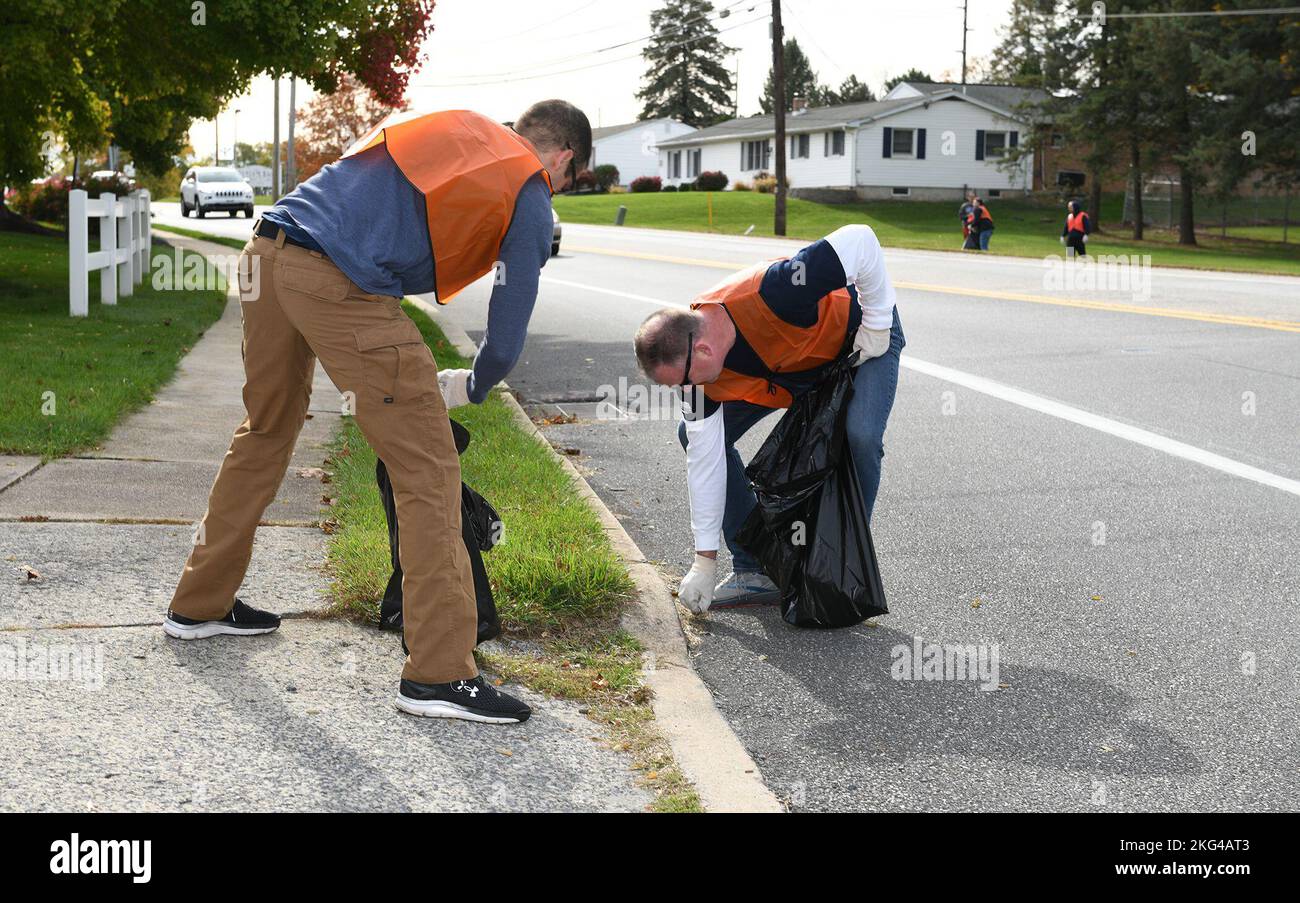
<point x="498" y="56"/>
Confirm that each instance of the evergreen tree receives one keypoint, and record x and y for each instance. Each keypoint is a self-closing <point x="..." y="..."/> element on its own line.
<point x="853" y="91"/>
<point x="911" y="75"/>
<point x="685" y="77"/>
<point x="800" y="80"/>
<point x="850" y="91"/>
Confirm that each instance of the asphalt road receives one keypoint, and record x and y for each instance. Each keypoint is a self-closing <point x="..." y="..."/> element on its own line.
<point x="1101" y="484"/>
<point x="168" y="213"/>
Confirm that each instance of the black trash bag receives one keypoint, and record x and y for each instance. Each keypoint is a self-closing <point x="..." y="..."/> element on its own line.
<point x="809" y="529"/>
<point x="480" y="531"/>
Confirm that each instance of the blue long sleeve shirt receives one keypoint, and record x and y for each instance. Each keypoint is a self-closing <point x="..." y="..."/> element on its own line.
<point x="364" y="215"/>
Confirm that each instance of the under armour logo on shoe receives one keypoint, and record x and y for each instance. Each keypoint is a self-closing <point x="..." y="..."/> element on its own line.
<point x="463" y="687"/>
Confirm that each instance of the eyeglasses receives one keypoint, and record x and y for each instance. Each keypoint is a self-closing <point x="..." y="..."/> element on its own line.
<point x="686" y="374"/>
<point x="573" y="167"/>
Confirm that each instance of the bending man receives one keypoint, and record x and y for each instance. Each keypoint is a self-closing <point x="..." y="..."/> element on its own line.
<point x="423" y="205"/>
<point x="752" y="344"/>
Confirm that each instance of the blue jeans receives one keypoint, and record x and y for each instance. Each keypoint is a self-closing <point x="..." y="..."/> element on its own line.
<point x="984" y="239"/>
<point x="874" y="385"/>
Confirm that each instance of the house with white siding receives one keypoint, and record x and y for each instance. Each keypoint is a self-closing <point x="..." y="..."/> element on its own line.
<point x="634" y="146"/>
<point x="921" y="140"/>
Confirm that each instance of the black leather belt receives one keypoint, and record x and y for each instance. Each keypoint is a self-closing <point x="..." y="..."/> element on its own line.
<point x="267" y="229"/>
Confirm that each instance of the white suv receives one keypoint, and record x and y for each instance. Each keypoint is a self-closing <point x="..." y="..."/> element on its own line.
<point x="208" y="188"/>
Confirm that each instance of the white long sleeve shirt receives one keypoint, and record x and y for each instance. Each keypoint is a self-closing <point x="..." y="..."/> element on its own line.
<point x="851" y="255"/>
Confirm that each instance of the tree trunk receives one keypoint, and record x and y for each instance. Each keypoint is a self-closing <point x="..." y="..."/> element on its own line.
<point x="1186" y="220"/>
<point x="1135" y="162"/>
<point x="1094" y="201"/>
<point x="13" y="222"/>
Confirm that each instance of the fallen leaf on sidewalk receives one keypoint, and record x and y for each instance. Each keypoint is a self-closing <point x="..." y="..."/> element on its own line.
<point x="32" y="573"/>
<point x="313" y="473"/>
<point x="505" y="752"/>
<point x="33" y="518"/>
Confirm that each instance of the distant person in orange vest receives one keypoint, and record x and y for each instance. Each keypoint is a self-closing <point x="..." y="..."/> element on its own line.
<point x="963" y="215"/>
<point x="1074" y="235"/>
<point x="751" y="344"/>
<point x="981" y="224"/>
<point x="425" y="204"/>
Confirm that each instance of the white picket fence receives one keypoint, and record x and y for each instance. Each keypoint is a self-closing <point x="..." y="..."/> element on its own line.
<point x="123" y="252"/>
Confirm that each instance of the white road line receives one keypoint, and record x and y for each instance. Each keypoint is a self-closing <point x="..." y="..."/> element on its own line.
<point x="1102" y="424"/>
<point x="614" y="292"/>
<point x="1042" y="405"/>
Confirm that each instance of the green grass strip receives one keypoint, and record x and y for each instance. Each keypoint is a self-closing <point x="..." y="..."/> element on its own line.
<point x="555" y="568"/>
<point x="66" y="381"/>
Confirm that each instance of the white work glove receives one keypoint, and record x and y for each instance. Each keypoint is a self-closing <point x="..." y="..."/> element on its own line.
<point x="1085" y="238"/>
<point x="696" y="590"/>
<point x="870" y="343"/>
<point x="1062" y="239"/>
<point x="455" y="387"/>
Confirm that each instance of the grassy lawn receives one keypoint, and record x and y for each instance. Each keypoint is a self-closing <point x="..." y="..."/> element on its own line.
<point x="236" y="243"/>
<point x="1023" y="229"/>
<point x="554" y="567"/>
<point x="98" y="367"/>
<point x="558" y="584"/>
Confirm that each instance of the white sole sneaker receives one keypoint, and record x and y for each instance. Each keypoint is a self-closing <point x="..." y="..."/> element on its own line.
<point x="436" y="708"/>
<point x="210" y="629"/>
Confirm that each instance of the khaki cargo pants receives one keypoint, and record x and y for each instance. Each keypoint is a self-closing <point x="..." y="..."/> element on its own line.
<point x="305" y="309"/>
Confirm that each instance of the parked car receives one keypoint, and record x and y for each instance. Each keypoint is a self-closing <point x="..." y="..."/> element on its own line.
<point x="555" y="236"/>
<point x="208" y="188"/>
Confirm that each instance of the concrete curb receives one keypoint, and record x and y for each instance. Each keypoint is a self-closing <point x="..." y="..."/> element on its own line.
<point x="704" y="745"/>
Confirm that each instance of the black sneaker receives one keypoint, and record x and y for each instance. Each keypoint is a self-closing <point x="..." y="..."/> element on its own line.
<point x="243" y="620"/>
<point x="472" y="700"/>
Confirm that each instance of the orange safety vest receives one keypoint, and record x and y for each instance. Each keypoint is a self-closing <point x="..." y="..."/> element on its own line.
<point x="978" y="212"/>
<point x="782" y="347"/>
<point x="470" y="170"/>
<point x="1074" y="222"/>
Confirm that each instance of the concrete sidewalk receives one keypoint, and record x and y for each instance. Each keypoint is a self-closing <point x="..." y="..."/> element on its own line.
<point x="299" y="720"/>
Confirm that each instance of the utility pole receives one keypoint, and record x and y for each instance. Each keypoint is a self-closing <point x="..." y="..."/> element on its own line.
<point x="291" y="171"/>
<point x="778" y="107"/>
<point x="275" y="145"/>
<point x="965" y="8"/>
<point x="736" y="108"/>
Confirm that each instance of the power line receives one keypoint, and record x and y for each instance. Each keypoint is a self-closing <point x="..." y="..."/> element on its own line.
<point x="550" y="21"/>
<point x="724" y="11"/>
<point x="1272" y="11"/>
<point x="508" y="78"/>
<point x="809" y="34"/>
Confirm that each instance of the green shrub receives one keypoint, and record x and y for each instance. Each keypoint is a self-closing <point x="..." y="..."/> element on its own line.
<point x="606" y="176"/>
<point x="711" y="181"/>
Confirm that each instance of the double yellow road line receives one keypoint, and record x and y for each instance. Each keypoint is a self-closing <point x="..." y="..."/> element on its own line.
<point x="1113" y="307"/>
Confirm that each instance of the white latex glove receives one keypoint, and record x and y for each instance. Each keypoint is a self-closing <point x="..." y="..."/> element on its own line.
<point x="696" y="590"/>
<point x="1062" y="239"/>
<point x="1085" y="239"/>
<point x="870" y="342"/>
<point x="455" y="387"/>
